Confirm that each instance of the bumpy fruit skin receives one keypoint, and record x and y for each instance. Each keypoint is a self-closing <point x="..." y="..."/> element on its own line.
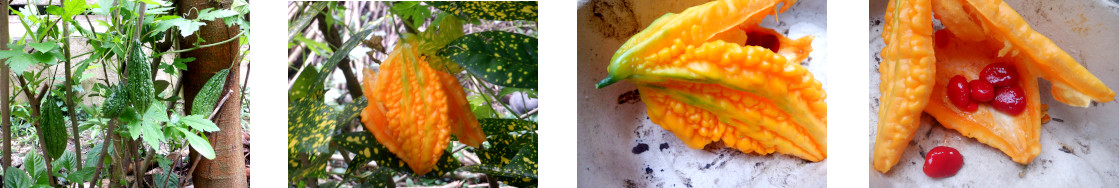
<point x="54" y="127"/>
<point x="697" y="68"/>
<point x="1072" y="83"/>
<point x="1016" y="135"/>
<point x="413" y="109"/>
<point x="115" y="103"/>
<point x="141" y="90"/>
<point x="908" y="67"/>
<point x="207" y="97"/>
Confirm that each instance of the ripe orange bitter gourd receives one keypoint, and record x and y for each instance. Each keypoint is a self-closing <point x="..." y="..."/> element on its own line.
<point x="693" y="69"/>
<point x="907" y="71"/>
<point x="414" y="108"/>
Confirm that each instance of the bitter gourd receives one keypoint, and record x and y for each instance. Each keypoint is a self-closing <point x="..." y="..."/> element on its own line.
<point x="1072" y="83"/>
<point x="693" y="69"/>
<point x="208" y="96"/>
<point x="141" y="89"/>
<point x="414" y="108"/>
<point x="54" y="127"/>
<point x="115" y="102"/>
<point x="907" y="72"/>
<point x="1016" y="135"/>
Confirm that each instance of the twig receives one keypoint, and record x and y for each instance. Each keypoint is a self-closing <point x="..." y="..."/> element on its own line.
<point x="529" y="113"/>
<point x="235" y="37"/>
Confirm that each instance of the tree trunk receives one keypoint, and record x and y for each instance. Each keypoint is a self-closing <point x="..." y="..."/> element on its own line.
<point x="227" y="169"/>
<point x="5" y="82"/>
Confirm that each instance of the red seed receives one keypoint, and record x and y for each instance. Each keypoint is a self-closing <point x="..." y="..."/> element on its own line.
<point x="981" y="91"/>
<point x="1010" y="100"/>
<point x="958" y="93"/>
<point x="999" y="74"/>
<point x="943" y="161"/>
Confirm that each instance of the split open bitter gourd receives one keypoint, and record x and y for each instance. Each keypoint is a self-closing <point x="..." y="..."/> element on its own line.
<point x="1072" y="83"/>
<point x="978" y="33"/>
<point x="1016" y="135"/>
<point x="710" y="73"/>
<point x="414" y="108"/>
<point x="907" y="71"/>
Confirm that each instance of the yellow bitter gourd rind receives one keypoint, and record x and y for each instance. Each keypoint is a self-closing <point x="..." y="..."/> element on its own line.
<point x="744" y="114"/>
<point x="907" y="72"/>
<point x="751" y="69"/>
<point x="413" y="109"/>
<point x="407" y="110"/>
<point x="691" y="27"/>
<point x="1072" y="83"/>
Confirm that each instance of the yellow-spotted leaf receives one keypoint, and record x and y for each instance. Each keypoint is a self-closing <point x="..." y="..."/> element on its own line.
<point x="310" y="125"/>
<point x="502" y="58"/>
<point x="490" y="10"/>
<point x="510" y="158"/>
<point x="366" y="149"/>
<point x="502" y="126"/>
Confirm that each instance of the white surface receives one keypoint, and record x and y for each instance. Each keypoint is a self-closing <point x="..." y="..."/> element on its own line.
<point x="1087" y="30"/>
<point x="608" y="131"/>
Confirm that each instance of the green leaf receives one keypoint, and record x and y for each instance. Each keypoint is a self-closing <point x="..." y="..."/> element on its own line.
<point x="187" y="27"/>
<point x="510" y="176"/>
<point x="502" y="58"/>
<point x="73" y="7"/>
<point x="209" y="14"/>
<point x="153" y="135"/>
<point x="305" y="19"/>
<point x="156" y="2"/>
<point x="343" y="52"/>
<point x="490" y="10"/>
<point x="502" y="148"/>
<point x="35" y="166"/>
<point x="16" y="178"/>
<point x="315" y="46"/>
<point x="198" y="123"/>
<point x="366" y="148"/>
<point x="81" y="175"/>
<point x="297" y="171"/>
<point x="166" y="179"/>
<point x="306" y="87"/>
<point x="524" y="165"/>
<point x="43" y="46"/>
<point x="382" y="177"/>
<point x="67" y="161"/>
<point x="198" y="143"/>
<point x="480" y="107"/>
<point x="161" y="85"/>
<point x="103" y="7"/>
<point x="503" y="126"/>
<point x="156" y="113"/>
<point x="352" y="111"/>
<point x="20" y="63"/>
<point x="310" y="125"/>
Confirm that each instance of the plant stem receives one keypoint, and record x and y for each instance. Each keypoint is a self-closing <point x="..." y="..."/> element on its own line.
<point x="70" y="99"/>
<point x="234" y="38"/>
